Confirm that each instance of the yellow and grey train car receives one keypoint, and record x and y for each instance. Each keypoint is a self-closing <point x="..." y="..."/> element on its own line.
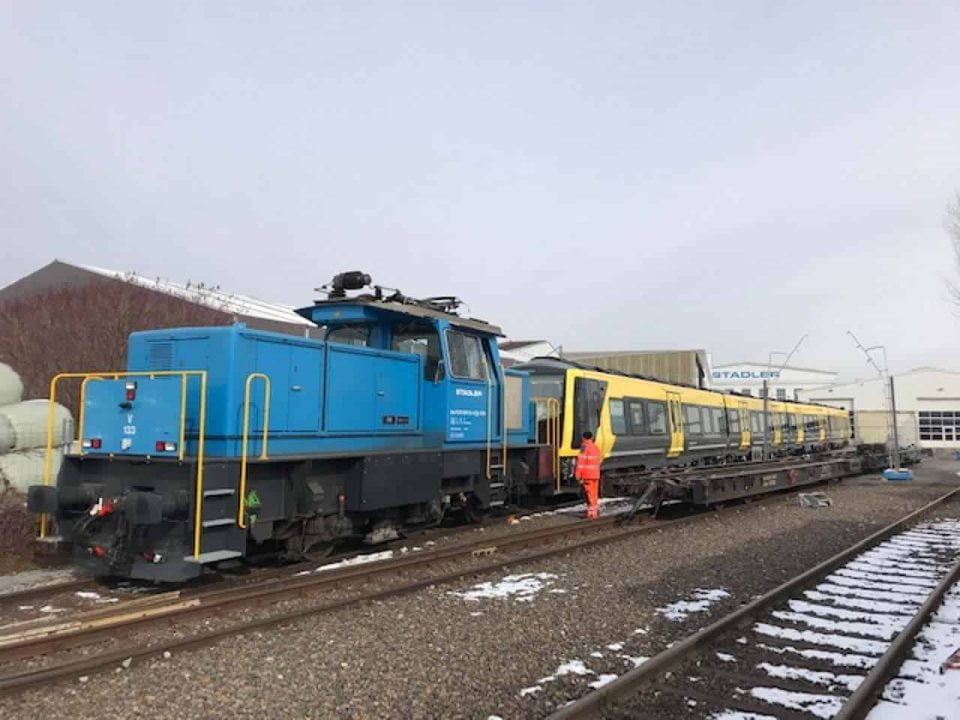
<point x="642" y="424"/>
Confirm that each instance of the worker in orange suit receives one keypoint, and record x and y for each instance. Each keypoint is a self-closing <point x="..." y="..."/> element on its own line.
<point x="588" y="473"/>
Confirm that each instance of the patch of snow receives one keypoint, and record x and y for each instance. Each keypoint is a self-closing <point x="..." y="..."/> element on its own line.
<point x="861" y="603"/>
<point x="596" y="654"/>
<point x="608" y="506"/>
<point x="725" y="657"/>
<point x="604" y="679"/>
<point x="358" y="560"/>
<point x="532" y="690"/>
<point x="24" y="607"/>
<point x="702" y="600"/>
<point x="885" y="596"/>
<point x="635" y="661"/>
<point x="826" y="679"/>
<point x="51" y="609"/>
<point x="845" y="627"/>
<point x="571" y="667"/>
<point x="615" y="646"/>
<point x="923" y="689"/>
<point x="860" y="645"/>
<point x="737" y="715"/>
<point x="523" y="587"/>
<point x="824" y="706"/>
<point x="835" y="658"/>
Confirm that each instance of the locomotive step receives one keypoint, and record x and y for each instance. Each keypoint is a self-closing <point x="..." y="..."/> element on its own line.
<point x="213" y="556"/>
<point x="219" y="522"/>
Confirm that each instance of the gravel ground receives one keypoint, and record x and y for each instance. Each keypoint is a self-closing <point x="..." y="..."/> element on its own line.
<point x="438" y="654"/>
<point x="17" y="528"/>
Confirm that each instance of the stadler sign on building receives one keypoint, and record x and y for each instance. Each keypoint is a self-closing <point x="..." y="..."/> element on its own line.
<point x="785" y="382"/>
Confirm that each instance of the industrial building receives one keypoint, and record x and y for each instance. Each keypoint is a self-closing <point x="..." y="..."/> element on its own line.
<point x="231" y="307"/>
<point x="687" y="367"/>
<point x="928" y="406"/>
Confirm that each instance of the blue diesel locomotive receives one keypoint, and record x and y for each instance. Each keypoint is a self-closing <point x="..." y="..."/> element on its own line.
<point x="218" y="443"/>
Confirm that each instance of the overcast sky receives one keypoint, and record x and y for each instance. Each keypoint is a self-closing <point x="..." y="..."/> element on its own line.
<point x="606" y="175"/>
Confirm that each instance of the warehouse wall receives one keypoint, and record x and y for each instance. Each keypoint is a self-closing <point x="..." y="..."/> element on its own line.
<point x="680" y="366"/>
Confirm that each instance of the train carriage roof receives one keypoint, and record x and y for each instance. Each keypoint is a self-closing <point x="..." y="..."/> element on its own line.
<point x="547" y="363"/>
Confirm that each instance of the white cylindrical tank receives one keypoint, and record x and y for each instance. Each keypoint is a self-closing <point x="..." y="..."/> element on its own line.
<point x="11" y="386"/>
<point x="20" y="470"/>
<point x="24" y="425"/>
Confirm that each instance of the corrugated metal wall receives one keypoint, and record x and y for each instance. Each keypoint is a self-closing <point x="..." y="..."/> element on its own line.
<point x="670" y="366"/>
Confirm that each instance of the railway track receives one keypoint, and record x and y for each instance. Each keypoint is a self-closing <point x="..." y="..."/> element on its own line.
<point x="42" y="643"/>
<point x="821" y="645"/>
<point x="173" y="611"/>
<point x="45" y="594"/>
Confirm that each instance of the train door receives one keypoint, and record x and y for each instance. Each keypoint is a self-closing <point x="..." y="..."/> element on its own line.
<point x="676" y="424"/>
<point x="588" y="397"/>
<point x="744" y="424"/>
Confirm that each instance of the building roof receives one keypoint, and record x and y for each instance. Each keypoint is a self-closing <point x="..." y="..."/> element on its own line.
<point x="209" y="296"/>
<point x="515" y="344"/>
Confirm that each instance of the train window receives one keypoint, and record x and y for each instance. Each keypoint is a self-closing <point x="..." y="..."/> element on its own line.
<point x="656" y="417"/>
<point x="349" y="335"/>
<point x="638" y="425"/>
<point x="756" y="424"/>
<point x="692" y="422"/>
<point x="617" y="419"/>
<point x="707" y="421"/>
<point x="718" y="426"/>
<point x="733" y="421"/>
<point x="781" y="394"/>
<point x="467" y="359"/>
<point x="419" y="339"/>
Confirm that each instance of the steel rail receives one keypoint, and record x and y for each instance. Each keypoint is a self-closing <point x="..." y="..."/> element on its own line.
<point x="275" y="590"/>
<point x="859" y="704"/>
<point x="299" y="586"/>
<point x="16" y="682"/>
<point x="279" y="584"/>
<point x="50" y="589"/>
<point x="595" y="703"/>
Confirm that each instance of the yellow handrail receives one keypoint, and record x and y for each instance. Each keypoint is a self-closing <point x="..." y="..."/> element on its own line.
<point x="489" y="434"/>
<point x="198" y="497"/>
<point x="241" y="521"/>
<point x="503" y="425"/>
<point x="87" y="376"/>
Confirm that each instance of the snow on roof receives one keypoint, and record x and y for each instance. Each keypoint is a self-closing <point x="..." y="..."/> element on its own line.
<point x="209" y="296"/>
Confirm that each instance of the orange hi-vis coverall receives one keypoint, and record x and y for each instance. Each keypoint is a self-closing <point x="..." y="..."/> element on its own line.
<point x="588" y="473"/>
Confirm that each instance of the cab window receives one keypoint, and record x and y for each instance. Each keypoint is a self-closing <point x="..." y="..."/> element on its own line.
<point x="419" y="339"/>
<point x="467" y="359"/>
<point x="349" y="335"/>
